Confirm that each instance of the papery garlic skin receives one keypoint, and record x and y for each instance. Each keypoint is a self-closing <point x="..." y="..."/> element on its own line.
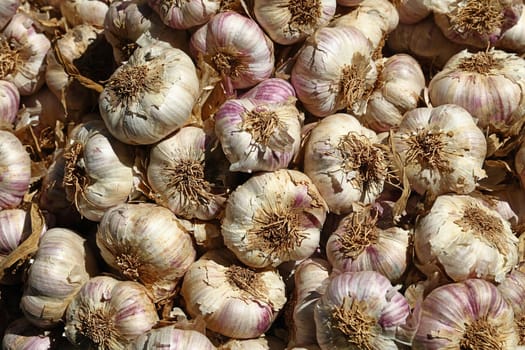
<point x="441" y="150"/>
<point x="90" y="12"/>
<point x="344" y="163"/>
<point x="22" y="335"/>
<point x="62" y="264"/>
<point x="9" y="102"/>
<point x="151" y="95"/>
<point x="7" y="9"/>
<point x="233" y="300"/>
<point x="145" y="242"/>
<point x="464" y="239"/>
<point x="98" y="170"/>
<point x="236" y="47"/>
<point x="173" y="339"/>
<point x="514" y="38"/>
<point x="273" y="90"/>
<point x="487" y="84"/>
<point x="261" y="343"/>
<point x="334" y="70"/>
<point x="109" y="313"/>
<point x="185" y="14"/>
<point x="289" y="22"/>
<point x="512" y="289"/>
<point x="470" y="315"/>
<point x="360" y="310"/>
<point x="16" y="170"/>
<point x="258" y="136"/>
<point x="273" y="217"/>
<point x="177" y="173"/>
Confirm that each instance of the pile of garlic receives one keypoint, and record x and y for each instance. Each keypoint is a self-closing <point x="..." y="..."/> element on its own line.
<point x="234" y="174"/>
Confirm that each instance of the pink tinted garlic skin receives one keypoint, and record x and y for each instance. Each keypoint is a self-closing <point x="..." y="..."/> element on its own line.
<point x="16" y="170"/>
<point x="273" y="90"/>
<point x="9" y="102"/>
<point x="22" y="335"/>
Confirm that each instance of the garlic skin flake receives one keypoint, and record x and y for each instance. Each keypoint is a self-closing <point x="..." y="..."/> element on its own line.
<point x="234" y="300"/>
<point x="151" y="95"/>
<point x="464" y="238"/>
<point x="274" y="217"/>
<point x="466" y="315"/>
<point x="259" y="136"/>
<point x="171" y="338"/>
<point x="360" y="310"/>
<point x="441" y="150"/>
<point x="109" y="313"/>
<point x="343" y="160"/>
<point x="16" y="170"/>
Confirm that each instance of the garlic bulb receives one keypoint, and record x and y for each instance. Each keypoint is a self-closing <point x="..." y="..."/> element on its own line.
<point x="236" y="47"/>
<point x="398" y="90"/>
<point x="258" y="136"/>
<point x="466" y="315"/>
<point x="22" y="335"/>
<point x="464" y="238"/>
<point x="233" y="300"/>
<point x="145" y="243"/>
<point x="512" y="288"/>
<point x="63" y="263"/>
<point x="179" y="173"/>
<point x="98" y="170"/>
<point x="188" y="13"/>
<point x="360" y="310"/>
<point x="90" y="12"/>
<point x="273" y="90"/>
<point x="151" y="95"/>
<point x="358" y="244"/>
<point x="514" y="38"/>
<point x="441" y="150"/>
<point x="23" y="53"/>
<point x="344" y="162"/>
<point x="334" y="70"/>
<point x="289" y="22"/>
<point x="411" y="11"/>
<point x="109" y="314"/>
<point x="171" y="338"/>
<point x="7" y="9"/>
<point x="261" y="343"/>
<point x="16" y="170"/>
<point x="488" y="84"/>
<point x="9" y="103"/>
<point x="273" y="217"/>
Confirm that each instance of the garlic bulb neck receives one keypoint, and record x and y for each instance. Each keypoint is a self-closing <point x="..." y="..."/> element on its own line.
<point x="261" y="124"/>
<point x="480" y="334"/>
<point x="304" y="14"/>
<point x="429" y="148"/>
<point x="97" y="327"/>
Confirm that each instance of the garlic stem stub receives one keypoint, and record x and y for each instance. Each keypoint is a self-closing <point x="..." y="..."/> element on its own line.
<point x="151" y="95"/>
<point x="16" y="170"/>
<point x="169" y="337"/>
<point x="466" y="315"/>
<point x="234" y="300"/>
<point x="274" y="217"/>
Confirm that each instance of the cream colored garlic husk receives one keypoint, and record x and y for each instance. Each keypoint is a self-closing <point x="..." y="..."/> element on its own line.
<point x="151" y="95"/>
<point x="462" y="238"/>
<point x="177" y="173"/>
<point x="7" y="9"/>
<point x="233" y="300"/>
<point x="466" y="315"/>
<point x="274" y="217"/>
<point x="398" y="89"/>
<point x="334" y="70"/>
<point x="61" y="266"/>
<point x="172" y="338"/>
<point x="109" y="313"/>
<point x="288" y="22"/>
<point x="186" y="14"/>
<point x="90" y="12"/>
<point x="98" y="170"/>
<point x="258" y="135"/>
<point x="146" y="243"/>
<point x="441" y="150"/>
<point x="344" y="162"/>
<point x="411" y="11"/>
<point x="488" y="84"/>
<point x="15" y="165"/>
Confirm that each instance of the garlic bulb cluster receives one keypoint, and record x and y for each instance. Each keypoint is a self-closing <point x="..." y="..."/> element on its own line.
<point x="273" y="217"/>
<point x="463" y="238"/>
<point x="233" y="300"/>
<point x="169" y="337"/>
<point x="334" y="70"/>
<point x="188" y="13"/>
<point x="16" y="170"/>
<point x="151" y="95"/>
<point x="290" y="22"/>
<point x="145" y="243"/>
<point x="90" y="12"/>
<point x="466" y="315"/>
<point x="360" y="310"/>
<point x="441" y="150"/>
<point x="110" y="314"/>
<point x="9" y="102"/>
<point x="344" y="162"/>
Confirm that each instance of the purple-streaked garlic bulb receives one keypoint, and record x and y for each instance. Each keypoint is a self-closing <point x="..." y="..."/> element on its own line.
<point x="15" y="174"/>
<point x="169" y="337"/>
<point x="9" y="103"/>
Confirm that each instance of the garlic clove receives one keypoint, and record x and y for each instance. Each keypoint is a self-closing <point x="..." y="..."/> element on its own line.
<point x="16" y="170"/>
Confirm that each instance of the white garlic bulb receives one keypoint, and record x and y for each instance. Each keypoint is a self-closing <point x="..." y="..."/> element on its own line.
<point x="9" y="103"/>
<point x="334" y="70"/>
<point x="343" y="160"/>
<point x="290" y="22"/>
<point x="16" y="170"/>
<point x="179" y="173"/>
<point x="467" y="315"/>
<point x="62" y="264"/>
<point x="274" y="217"/>
<point x="109" y="313"/>
<point x="145" y="243"/>
<point x="151" y="95"/>
<point x="441" y="150"/>
<point x="90" y="12"/>
<point x="257" y="135"/>
<point x="463" y="238"/>
<point x="186" y="14"/>
<point x="169" y="337"/>
<point x="233" y="300"/>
